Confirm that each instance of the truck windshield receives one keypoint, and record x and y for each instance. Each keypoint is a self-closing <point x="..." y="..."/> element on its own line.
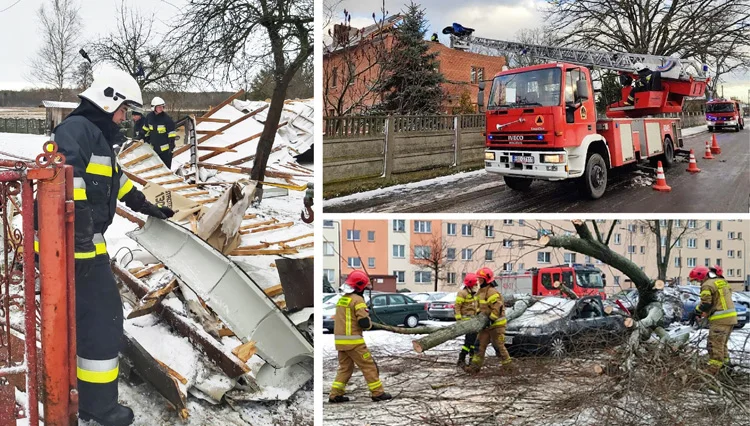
<point x="726" y="107"/>
<point x="539" y="87"/>
<point x="590" y="279"/>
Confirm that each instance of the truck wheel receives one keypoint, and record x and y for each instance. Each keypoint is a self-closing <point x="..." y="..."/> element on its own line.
<point x="737" y="127"/>
<point x="517" y="184"/>
<point x="593" y="183"/>
<point x="710" y="129"/>
<point x="411" y="321"/>
<point x="668" y="157"/>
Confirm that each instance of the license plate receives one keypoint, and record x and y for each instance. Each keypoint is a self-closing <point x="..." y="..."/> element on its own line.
<point x="508" y="340"/>
<point x="523" y="159"/>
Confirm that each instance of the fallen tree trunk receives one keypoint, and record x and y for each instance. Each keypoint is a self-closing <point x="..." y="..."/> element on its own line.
<point x="474" y="325"/>
<point x="402" y="330"/>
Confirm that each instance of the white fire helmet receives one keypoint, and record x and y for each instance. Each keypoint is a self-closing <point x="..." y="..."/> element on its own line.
<point x="111" y="88"/>
<point x="156" y="102"/>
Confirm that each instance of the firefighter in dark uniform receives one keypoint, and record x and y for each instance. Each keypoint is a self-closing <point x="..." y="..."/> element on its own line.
<point x="716" y="305"/>
<point x="352" y="318"/>
<point x="465" y="308"/>
<point x="160" y="131"/>
<point x="86" y="137"/>
<point x="138" y="120"/>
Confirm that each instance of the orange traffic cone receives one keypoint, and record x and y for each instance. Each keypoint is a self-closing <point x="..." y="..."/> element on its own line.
<point x="707" y="155"/>
<point x="715" y="146"/>
<point x="661" y="181"/>
<point x="693" y="166"/>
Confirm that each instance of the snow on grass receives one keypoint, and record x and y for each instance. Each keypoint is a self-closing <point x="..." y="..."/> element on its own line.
<point x="28" y="146"/>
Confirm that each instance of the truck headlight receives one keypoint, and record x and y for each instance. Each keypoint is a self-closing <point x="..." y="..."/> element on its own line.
<point x="553" y="158"/>
<point x="489" y="156"/>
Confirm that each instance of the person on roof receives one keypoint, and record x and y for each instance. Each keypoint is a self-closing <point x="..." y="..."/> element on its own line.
<point x="160" y="131"/>
<point x="86" y="138"/>
<point x="352" y="318"/>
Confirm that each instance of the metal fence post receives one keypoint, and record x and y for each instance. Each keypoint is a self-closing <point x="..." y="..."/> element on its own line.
<point x="457" y="141"/>
<point x="389" y="146"/>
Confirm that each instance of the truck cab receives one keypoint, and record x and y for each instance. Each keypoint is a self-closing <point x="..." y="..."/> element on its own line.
<point x="723" y="114"/>
<point x="584" y="280"/>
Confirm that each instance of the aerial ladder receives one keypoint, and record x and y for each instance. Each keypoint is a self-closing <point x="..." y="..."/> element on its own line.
<point x="541" y="119"/>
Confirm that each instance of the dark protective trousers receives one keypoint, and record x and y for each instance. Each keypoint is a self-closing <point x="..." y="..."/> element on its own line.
<point x="99" y="334"/>
<point x="166" y="157"/>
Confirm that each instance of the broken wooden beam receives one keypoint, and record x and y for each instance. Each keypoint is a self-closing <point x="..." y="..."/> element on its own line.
<point x="158" y="175"/>
<point x="273" y="252"/>
<point x="301" y="246"/>
<point x="249" y="157"/>
<point x="268" y="228"/>
<point x="216" y="149"/>
<point x="274" y="290"/>
<point x="148" y="271"/>
<point x="140" y="159"/>
<point x="148" y="169"/>
<point x="212" y="120"/>
<point x="135" y="178"/>
<point x="232" y="366"/>
<point x="130" y="216"/>
<point x="236" y="144"/>
<point x="245" y="351"/>
<point x="208" y="200"/>
<point x="195" y="194"/>
<point x="224" y="103"/>
<point x="258" y="224"/>
<point x="173" y="372"/>
<point x="127" y="150"/>
<point x="171" y="181"/>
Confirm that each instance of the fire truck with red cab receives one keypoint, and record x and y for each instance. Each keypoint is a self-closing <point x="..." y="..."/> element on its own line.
<point x="584" y="280"/>
<point x="541" y="120"/>
<point x="723" y="113"/>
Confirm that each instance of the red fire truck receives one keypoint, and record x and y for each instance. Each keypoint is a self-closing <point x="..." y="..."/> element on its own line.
<point x="541" y="121"/>
<point x="584" y="280"/>
<point x="722" y="113"/>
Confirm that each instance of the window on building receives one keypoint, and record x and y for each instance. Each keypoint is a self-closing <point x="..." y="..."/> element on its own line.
<point x="422" y="226"/>
<point x="678" y="243"/>
<point x="718" y="225"/>
<point x="352" y="235"/>
<point x="708" y="225"/>
<point x="691" y="224"/>
<point x="663" y="241"/>
<point x="730" y="272"/>
<point x="466" y="254"/>
<point x="570" y="257"/>
<point x="586" y="259"/>
<point x="677" y="262"/>
<point x="335" y="77"/>
<point x="520" y="244"/>
<point x="631" y="249"/>
<point x="521" y="222"/>
<point x="466" y="230"/>
<point x="477" y="74"/>
<point x="663" y="222"/>
<point x="399" y="251"/>
<point x="507" y="243"/>
<point x="520" y="266"/>
<point x="489" y="231"/>
<point x="739" y="254"/>
<point x="739" y="235"/>
<point x="508" y="266"/>
<point x="718" y="262"/>
<point x="451" y="276"/>
<point x="451" y="229"/>
<point x="330" y="274"/>
<point x="488" y="254"/>
<point x="691" y="262"/>
<point x="399" y="225"/>
<point x="480" y="74"/>
<point x="423" y="277"/>
<point x="631" y="227"/>
<point x="643" y="249"/>
<point x="327" y="224"/>
<point x="692" y="242"/>
<point x="450" y="253"/>
<point x="507" y="221"/>
<point x="543" y="257"/>
<point x="678" y="223"/>
<point x="328" y="249"/>
<point x="422" y="252"/>
<point x="354" y="262"/>
<point x="708" y="244"/>
<point x="400" y="276"/>
<point x="730" y="254"/>
<point x="370" y="236"/>
<point x="643" y="229"/>
<point x="707" y="262"/>
<point x="617" y="280"/>
<point x="370" y="262"/>
<point x="718" y="244"/>
<point x="618" y="239"/>
<point x="730" y="235"/>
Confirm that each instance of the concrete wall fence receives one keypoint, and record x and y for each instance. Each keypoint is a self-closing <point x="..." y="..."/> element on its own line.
<point x="34" y="126"/>
<point x="360" y="147"/>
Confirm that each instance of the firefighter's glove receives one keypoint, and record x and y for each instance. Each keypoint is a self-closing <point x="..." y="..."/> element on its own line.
<point x="157" y="211"/>
<point x="693" y="318"/>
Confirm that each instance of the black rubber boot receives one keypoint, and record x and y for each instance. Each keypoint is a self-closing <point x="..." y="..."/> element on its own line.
<point x="461" y="359"/>
<point x="118" y="416"/>
<point x="382" y="397"/>
<point x="338" y="398"/>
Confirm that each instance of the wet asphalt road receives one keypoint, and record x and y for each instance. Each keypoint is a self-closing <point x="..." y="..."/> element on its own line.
<point x="723" y="186"/>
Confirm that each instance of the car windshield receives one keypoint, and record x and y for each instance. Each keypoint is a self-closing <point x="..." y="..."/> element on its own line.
<point x="437" y="296"/>
<point x="723" y="107"/>
<point x="420" y="297"/>
<point x="448" y="297"/>
<point x="590" y="279"/>
<point x="539" y="87"/>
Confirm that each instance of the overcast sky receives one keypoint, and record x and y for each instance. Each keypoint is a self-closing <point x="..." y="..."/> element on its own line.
<point x="19" y="27"/>
<point x="499" y="19"/>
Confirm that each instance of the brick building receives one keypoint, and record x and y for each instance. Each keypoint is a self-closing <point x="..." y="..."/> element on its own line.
<point x="393" y="247"/>
<point x="351" y="66"/>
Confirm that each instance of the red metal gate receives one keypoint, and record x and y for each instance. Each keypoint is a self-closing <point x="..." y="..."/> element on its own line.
<point x="24" y="380"/>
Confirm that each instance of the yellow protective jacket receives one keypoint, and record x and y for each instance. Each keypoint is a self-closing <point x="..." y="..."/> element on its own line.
<point x="466" y="305"/>
<point x="716" y="302"/>
<point x="350" y="309"/>
<point x="491" y="303"/>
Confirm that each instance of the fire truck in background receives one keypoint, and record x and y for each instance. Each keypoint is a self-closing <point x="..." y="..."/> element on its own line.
<point x="584" y="280"/>
<point x="541" y="121"/>
<point x="723" y="113"/>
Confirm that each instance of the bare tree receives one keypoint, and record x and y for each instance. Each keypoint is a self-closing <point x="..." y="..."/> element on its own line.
<point x="231" y="35"/>
<point x="715" y="32"/>
<point x="668" y="235"/>
<point x="353" y="64"/>
<point x="60" y="29"/>
<point x="543" y="36"/>
<point x="434" y="256"/>
<point x="154" y="60"/>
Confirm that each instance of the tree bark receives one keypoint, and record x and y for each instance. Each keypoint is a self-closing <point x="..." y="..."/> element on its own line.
<point x="403" y="330"/>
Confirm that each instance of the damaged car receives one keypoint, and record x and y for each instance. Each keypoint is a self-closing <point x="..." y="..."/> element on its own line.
<point x="557" y="326"/>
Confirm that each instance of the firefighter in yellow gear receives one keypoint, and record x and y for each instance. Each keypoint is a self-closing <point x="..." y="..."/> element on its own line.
<point x="352" y="318"/>
<point x="465" y="308"/>
<point x="491" y="303"/>
<point x="716" y="305"/>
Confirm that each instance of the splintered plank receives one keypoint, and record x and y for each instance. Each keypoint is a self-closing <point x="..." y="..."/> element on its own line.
<point x="127" y="150"/>
<point x="134" y="178"/>
<point x="303" y="246"/>
<point x="158" y="175"/>
<point x="245" y="351"/>
<point x="250" y="216"/>
<point x="174" y="373"/>
<point x="194" y="224"/>
<point x="216" y="149"/>
<point x="239" y="170"/>
<point x="130" y="216"/>
<point x="236" y="144"/>
<point x="250" y="157"/>
<point x="281" y="304"/>
<point x="224" y="103"/>
<point x="195" y="194"/>
<point x="171" y="181"/>
<point x="148" y="169"/>
<point x="140" y="159"/>
<point x="273" y="243"/>
<point x="274" y="291"/>
<point x="258" y="224"/>
<point x="150" y="270"/>
<point x="208" y="132"/>
<point x="273" y="252"/>
<point x="212" y="120"/>
<point x="269" y="228"/>
<point x="208" y="200"/>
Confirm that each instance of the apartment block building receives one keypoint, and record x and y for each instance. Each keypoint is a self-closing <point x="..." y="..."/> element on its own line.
<point x="410" y="249"/>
